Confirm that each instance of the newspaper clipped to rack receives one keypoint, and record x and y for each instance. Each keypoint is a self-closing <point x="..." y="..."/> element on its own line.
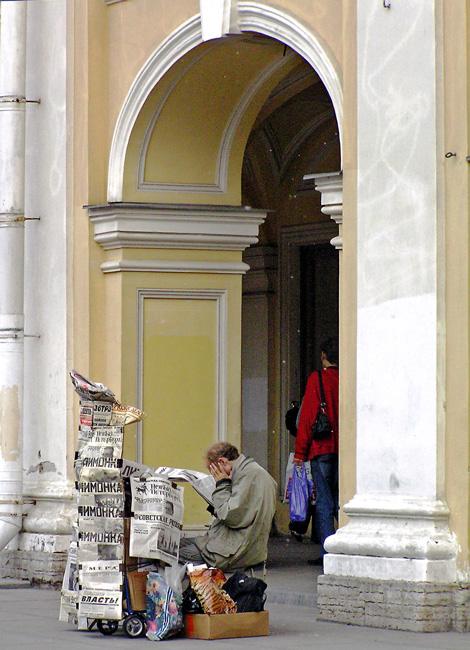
<point x="131" y="468"/>
<point x="158" y="517"/>
<point x="204" y="484"/>
<point x="70" y="585"/>
<point x="104" y="604"/>
<point x="102" y="574"/>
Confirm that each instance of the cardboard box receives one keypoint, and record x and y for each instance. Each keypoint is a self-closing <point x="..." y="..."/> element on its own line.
<point x="226" y="626"/>
<point x="137" y="584"/>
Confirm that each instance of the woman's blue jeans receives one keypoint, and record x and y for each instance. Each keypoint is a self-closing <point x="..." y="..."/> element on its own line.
<point x="325" y="478"/>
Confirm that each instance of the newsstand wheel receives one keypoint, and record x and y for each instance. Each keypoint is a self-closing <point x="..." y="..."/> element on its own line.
<point x="107" y="627"/>
<point x="134" y="626"/>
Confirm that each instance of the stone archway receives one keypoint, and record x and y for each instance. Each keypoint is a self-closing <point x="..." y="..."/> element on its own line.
<point x="154" y="226"/>
<point x="253" y="17"/>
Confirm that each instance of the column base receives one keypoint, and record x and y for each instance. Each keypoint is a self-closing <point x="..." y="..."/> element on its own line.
<point x="38" y="558"/>
<point x="442" y="571"/>
<point x="394" y="604"/>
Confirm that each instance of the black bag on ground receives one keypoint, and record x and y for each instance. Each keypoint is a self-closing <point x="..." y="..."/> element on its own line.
<point x="191" y="604"/>
<point x="247" y="592"/>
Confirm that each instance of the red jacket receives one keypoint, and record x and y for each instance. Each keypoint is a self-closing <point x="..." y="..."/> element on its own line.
<point x="305" y="447"/>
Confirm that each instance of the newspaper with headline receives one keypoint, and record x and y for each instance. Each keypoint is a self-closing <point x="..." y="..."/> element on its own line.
<point x="156" y="526"/>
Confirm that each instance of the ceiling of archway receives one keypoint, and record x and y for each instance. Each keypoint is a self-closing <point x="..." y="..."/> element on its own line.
<point x="188" y="143"/>
<point x="294" y="134"/>
<point x="296" y="122"/>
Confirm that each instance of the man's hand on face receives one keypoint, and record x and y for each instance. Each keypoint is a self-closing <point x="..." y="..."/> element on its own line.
<point x="220" y="470"/>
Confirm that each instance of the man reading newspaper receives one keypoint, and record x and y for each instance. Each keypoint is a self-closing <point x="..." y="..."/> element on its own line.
<point x="244" y="502"/>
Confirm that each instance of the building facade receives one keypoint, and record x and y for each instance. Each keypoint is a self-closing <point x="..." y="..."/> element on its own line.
<point x="171" y="177"/>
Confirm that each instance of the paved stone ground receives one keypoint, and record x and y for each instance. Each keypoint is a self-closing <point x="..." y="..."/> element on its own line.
<point x="29" y="619"/>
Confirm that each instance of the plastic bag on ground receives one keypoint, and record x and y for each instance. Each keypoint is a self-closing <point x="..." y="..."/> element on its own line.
<point x="164" y="609"/>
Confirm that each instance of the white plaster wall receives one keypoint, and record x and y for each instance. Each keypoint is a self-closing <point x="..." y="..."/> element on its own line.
<point x="397" y="235"/>
<point x="45" y="424"/>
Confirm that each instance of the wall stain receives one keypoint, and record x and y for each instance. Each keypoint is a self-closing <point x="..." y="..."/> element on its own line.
<point x="10" y="420"/>
<point x="394" y="482"/>
<point x="46" y="466"/>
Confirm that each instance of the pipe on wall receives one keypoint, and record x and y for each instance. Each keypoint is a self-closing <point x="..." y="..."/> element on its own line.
<point x="12" y="180"/>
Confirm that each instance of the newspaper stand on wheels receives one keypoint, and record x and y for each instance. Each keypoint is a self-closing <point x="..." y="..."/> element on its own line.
<point x="133" y="621"/>
<point x="95" y="582"/>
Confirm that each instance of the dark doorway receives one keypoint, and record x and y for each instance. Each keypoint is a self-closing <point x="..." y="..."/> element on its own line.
<point x="319" y="288"/>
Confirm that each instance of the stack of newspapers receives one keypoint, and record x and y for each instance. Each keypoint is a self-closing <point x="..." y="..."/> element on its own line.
<point x="92" y="586"/>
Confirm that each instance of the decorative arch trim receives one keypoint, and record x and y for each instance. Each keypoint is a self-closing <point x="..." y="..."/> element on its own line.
<point x="254" y="16"/>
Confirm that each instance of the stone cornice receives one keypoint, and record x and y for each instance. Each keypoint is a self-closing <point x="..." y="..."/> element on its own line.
<point x="174" y="266"/>
<point x="155" y="225"/>
<point x="262" y="262"/>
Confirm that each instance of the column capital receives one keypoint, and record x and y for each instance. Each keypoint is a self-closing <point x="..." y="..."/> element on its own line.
<point x="262" y="274"/>
<point x="330" y="186"/>
<point x="168" y="225"/>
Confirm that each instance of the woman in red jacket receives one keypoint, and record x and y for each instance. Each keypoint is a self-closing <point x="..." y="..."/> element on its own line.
<point x="323" y="454"/>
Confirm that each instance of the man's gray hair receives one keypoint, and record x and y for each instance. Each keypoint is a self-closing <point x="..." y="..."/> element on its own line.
<point x="221" y="450"/>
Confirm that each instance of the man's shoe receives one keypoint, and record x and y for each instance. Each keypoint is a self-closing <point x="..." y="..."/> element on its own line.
<point x="317" y="562"/>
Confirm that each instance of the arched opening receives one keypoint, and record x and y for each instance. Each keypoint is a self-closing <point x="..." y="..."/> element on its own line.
<point x="291" y="293"/>
<point x="258" y="19"/>
<point x="197" y="115"/>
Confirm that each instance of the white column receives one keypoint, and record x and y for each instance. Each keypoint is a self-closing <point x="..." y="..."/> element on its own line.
<point x="398" y="525"/>
<point x="12" y="173"/>
<point x="49" y="426"/>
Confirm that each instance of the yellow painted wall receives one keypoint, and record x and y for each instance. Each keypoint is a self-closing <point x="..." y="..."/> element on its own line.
<point x="180" y="357"/>
<point x="348" y="267"/>
<point x="87" y="96"/>
<point x="456" y="30"/>
<point x="138" y="27"/>
<point x="180" y="382"/>
<point x="180" y="378"/>
<point x="111" y="43"/>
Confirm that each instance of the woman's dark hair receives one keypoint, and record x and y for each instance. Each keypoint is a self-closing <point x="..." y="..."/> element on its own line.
<point x="330" y="349"/>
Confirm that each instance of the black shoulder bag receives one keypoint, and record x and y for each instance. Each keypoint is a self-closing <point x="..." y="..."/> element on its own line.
<point x="321" y="428"/>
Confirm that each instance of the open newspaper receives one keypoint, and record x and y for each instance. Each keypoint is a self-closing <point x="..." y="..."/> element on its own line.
<point x="204" y="484"/>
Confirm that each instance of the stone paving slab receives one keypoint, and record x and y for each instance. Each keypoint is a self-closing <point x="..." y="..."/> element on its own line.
<point x="29" y="621"/>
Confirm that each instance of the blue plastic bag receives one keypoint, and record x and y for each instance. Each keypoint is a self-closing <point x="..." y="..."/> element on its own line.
<point x="300" y="489"/>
